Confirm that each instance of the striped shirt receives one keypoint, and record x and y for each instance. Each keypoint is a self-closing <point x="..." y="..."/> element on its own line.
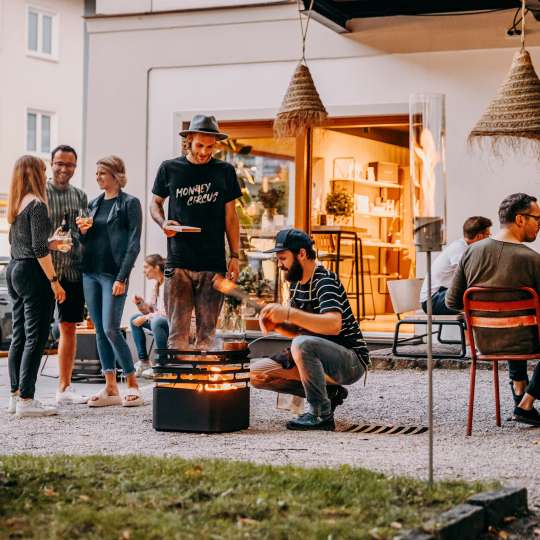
<point x="324" y="293"/>
<point x="70" y="201"/>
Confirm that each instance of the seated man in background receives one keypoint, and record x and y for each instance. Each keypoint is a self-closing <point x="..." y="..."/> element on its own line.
<point x="328" y="347"/>
<point x="505" y="261"/>
<point x="475" y="228"/>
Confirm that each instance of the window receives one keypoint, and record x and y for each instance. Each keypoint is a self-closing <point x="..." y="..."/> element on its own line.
<point x="41" y="32"/>
<point x="39" y="132"/>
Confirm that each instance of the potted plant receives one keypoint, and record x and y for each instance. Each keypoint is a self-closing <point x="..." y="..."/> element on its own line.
<point x="271" y="201"/>
<point x="339" y="204"/>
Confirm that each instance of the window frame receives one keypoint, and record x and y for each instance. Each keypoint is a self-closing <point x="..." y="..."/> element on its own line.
<point x="40" y="113"/>
<point x="55" y="18"/>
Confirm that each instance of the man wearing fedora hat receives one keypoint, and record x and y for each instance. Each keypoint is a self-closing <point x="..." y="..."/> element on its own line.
<point x="327" y="350"/>
<point x="202" y="191"/>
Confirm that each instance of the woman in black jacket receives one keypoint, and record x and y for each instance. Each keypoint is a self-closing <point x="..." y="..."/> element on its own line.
<point x="111" y="245"/>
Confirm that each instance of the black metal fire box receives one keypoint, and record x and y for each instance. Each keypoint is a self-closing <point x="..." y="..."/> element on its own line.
<point x="201" y="391"/>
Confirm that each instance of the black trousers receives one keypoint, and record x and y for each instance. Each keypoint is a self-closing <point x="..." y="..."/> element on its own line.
<point x="438" y="304"/>
<point x="33" y="306"/>
<point x="518" y="372"/>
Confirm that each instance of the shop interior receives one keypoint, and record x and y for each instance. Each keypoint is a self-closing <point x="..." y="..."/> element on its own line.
<point x="348" y="182"/>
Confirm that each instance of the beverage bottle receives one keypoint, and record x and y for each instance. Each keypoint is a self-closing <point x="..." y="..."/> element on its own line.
<point x="66" y="240"/>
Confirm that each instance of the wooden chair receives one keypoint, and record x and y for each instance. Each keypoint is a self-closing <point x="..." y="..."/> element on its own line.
<point x="490" y="317"/>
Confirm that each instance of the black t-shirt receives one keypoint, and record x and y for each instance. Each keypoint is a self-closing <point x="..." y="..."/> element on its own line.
<point x="98" y="243"/>
<point x="197" y="197"/>
<point x="325" y="293"/>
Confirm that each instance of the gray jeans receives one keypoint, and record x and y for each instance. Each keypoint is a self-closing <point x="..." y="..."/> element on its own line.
<point x="318" y="362"/>
<point x="186" y="290"/>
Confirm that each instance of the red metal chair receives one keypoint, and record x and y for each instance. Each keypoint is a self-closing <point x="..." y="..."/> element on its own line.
<point x="489" y="320"/>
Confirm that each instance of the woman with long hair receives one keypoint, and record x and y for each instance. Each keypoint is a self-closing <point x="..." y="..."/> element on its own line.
<point x="112" y="244"/>
<point x="32" y="283"/>
<point x="151" y="314"/>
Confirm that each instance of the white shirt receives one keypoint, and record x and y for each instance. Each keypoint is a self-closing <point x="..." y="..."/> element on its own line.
<point x="444" y="267"/>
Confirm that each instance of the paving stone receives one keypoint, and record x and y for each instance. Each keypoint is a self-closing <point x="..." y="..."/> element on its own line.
<point x="463" y="522"/>
<point x="500" y="504"/>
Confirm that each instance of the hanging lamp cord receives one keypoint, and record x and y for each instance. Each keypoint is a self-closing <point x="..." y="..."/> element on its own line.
<point x="523" y="24"/>
<point x="303" y="30"/>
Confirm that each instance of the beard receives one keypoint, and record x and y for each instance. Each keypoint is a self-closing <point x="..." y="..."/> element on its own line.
<point x="295" y="272"/>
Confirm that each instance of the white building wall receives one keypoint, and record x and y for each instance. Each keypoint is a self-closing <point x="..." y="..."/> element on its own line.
<point x="43" y="84"/>
<point x="147" y="73"/>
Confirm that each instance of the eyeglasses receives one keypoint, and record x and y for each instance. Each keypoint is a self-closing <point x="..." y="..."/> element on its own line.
<point x="61" y="164"/>
<point x="537" y="218"/>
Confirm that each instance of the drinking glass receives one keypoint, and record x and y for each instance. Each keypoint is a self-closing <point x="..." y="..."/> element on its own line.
<point x="85" y="217"/>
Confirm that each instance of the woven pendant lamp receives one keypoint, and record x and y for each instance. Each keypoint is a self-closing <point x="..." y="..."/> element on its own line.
<point x="512" y="120"/>
<point x="302" y="107"/>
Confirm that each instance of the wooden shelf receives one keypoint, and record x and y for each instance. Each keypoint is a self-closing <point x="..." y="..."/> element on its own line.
<point x="378" y="243"/>
<point x="377" y="184"/>
<point x="395" y="275"/>
<point x="376" y="214"/>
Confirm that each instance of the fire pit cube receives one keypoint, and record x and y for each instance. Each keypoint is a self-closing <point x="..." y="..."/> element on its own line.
<point x="201" y="391"/>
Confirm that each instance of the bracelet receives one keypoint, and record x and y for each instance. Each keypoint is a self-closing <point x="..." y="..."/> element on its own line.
<point x="54" y="279"/>
<point x="234" y="255"/>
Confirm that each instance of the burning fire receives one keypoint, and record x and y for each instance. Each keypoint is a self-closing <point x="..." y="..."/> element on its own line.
<point x="217" y="380"/>
<point x="430" y="157"/>
<point x="216" y="376"/>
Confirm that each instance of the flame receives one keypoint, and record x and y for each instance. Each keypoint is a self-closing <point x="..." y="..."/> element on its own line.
<point x="216" y="380"/>
<point x="430" y="157"/>
<point x="216" y="377"/>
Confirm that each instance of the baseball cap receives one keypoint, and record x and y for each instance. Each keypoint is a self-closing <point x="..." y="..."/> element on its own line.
<point x="293" y="239"/>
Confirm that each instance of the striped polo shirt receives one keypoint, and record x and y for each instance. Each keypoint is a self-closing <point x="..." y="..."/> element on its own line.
<point x="325" y="293"/>
<point x="70" y="201"/>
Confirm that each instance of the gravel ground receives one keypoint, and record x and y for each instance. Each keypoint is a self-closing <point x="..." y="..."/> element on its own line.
<point x="509" y="454"/>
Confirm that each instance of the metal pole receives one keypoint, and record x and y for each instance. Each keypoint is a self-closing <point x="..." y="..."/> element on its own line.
<point x="430" y="367"/>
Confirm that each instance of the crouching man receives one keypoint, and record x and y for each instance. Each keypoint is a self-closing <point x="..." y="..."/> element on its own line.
<point x="328" y="349"/>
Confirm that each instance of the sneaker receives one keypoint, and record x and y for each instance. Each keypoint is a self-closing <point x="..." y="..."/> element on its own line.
<point x="70" y="397"/>
<point x="337" y="394"/>
<point x="310" y="422"/>
<point x="33" y="407"/>
<point x="531" y="417"/>
<point x="12" y="405"/>
<point x="141" y="366"/>
<point x="148" y="374"/>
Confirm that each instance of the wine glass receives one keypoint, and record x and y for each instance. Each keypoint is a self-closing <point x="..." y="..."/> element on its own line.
<point x="85" y="217"/>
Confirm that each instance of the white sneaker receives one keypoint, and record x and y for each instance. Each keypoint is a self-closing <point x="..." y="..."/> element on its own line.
<point x="148" y="374"/>
<point x="70" y="397"/>
<point x="12" y="405"/>
<point x="141" y="366"/>
<point x="33" y="407"/>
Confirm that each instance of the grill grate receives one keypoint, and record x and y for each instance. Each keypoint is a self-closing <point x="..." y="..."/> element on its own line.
<point x="378" y="429"/>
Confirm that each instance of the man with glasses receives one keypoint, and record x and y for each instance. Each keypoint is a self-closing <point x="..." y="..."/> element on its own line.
<point x="505" y="261"/>
<point x="65" y="202"/>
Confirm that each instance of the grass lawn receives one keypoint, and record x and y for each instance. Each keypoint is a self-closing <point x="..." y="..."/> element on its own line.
<point x="134" y="497"/>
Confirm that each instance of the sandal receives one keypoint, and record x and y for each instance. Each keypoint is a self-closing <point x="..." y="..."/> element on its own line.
<point x="132" y="402"/>
<point x="102" y="399"/>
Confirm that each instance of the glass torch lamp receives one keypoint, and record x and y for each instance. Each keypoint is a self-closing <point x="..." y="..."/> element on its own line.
<point x="428" y="176"/>
<point x="428" y="170"/>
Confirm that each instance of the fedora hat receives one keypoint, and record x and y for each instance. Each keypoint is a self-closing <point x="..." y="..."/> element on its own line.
<point x="204" y="124"/>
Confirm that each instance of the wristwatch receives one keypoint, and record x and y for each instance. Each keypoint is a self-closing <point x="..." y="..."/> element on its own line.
<point x="53" y="279"/>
